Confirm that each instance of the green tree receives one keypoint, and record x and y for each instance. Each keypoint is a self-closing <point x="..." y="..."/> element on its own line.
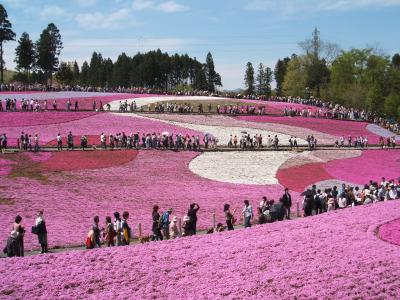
<point x="121" y="70"/>
<point x="6" y="34"/>
<point x="319" y="54"/>
<point x="279" y="74"/>
<point x="25" y="55"/>
<point x="75" y="73"/>
<point x="95" y="73"/>
<point x="84" y="75"/>
<point x="392" y="105"/>
<point x="213" y="78"/>
<point x="295" y="80"/>
<point x="64" y="74"/>
<point x="396" y="61"/>
<point x="348" y="72"/>
<point x="49" y="48"/>
<point x="264" y="79"/>
<point x="249" y="79"/>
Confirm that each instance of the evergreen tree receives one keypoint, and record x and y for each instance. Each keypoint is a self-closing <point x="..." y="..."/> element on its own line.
<point x="396" y="61"/>
<point x="49" y="48"/>
<point x="260" y="79"/>
<point x="213" y="78"/>
<point x="75" y="72"/>
<point x="200" y="78"/>
<point x="64" y="74"/>
<point x="249" y="79"/>
<point x="264" y="79"/>
<point x="6" y="34"/>
<point x="121" y="70"/>
<point x="279" y="74"/>
<point x="25" y="55"/>
<point x="84" y="75"/>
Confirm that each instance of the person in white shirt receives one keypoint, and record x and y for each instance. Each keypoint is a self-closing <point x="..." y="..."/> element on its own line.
<point x="247" y="213"/>
<point x="59" y="142"/>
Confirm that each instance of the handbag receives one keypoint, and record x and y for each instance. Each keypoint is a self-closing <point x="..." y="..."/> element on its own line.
<point x="35" y="230"/>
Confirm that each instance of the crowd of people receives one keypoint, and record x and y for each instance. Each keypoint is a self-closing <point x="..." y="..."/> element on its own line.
<point x="166" y="226"/>
<point x="318" y="201"/>
<point x="248" y="142"/>
<point x="166" y="140"/>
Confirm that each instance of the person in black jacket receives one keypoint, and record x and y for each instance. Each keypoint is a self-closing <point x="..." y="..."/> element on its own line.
<point x="287" y="202"/>
<point x="192" y="214"/>
<point x="156" y="228"/>
<point x="41" y="232"/>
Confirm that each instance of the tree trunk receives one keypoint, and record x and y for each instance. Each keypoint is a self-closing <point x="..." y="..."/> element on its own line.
<point x="1" y="62"/>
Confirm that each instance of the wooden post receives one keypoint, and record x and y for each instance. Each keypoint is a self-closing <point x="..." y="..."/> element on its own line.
<point x="298" y="209"/>
<point x="180" y="226"/>
<point x="214" y="221"/>
<point x="140" y="230"/>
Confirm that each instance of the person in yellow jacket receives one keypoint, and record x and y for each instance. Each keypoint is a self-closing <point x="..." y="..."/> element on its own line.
<point x="126" y="230"/>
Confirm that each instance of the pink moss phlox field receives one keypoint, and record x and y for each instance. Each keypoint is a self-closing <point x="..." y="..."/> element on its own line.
<point x="297" y="178"/>
<point x="330" y="256"/>
<point x="333" y="127"/>
<point x="85" y="99"/>
<point x="371" y="165"/>
<point x="279" y="107"/>
<point x="38" y="156"/>
<point x="84" y="160"/>
<point x="5" y="167"/>
<point x="108" y="123"/>
<point x="71" y="199"/>
<point x="390" y="232"/>
<point x="15" y="119"/>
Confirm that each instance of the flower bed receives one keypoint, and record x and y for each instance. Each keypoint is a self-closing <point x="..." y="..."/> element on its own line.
<point x="240" y="167"/>
<point x="94" y="125"/>
<point x="5" y="167"/>
<point x="85" y="99"/>
<point x="371" y="165"/>
<point x="75" y="161"/>
<point x="390" y="232"/>
<point x="71" y="199"/>
<point x="12" y="119"/>
<point x="230" y="122"/>
<point x="303" y="259"/>
<point x="297" y="178"/>
<point x="274" y="107"/>
<point x="335" y="128"/>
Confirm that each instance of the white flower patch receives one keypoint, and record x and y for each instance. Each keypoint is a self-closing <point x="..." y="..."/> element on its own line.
<point x="222" y="133"/>
<point x="378" y="130"/>
<point x="143" y="101"/>
<point x="240" y="167"/>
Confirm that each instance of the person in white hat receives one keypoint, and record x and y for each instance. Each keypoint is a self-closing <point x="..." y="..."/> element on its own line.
<point x="173" y="228"/>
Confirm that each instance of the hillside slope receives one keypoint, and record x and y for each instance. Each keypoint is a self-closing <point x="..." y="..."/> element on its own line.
<point x="332" y="256"/>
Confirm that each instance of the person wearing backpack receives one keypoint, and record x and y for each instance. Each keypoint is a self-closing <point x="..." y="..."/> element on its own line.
<point x="126" y="232"/>
<point x="117" y="228"/>
<point x="164" y="221"/>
